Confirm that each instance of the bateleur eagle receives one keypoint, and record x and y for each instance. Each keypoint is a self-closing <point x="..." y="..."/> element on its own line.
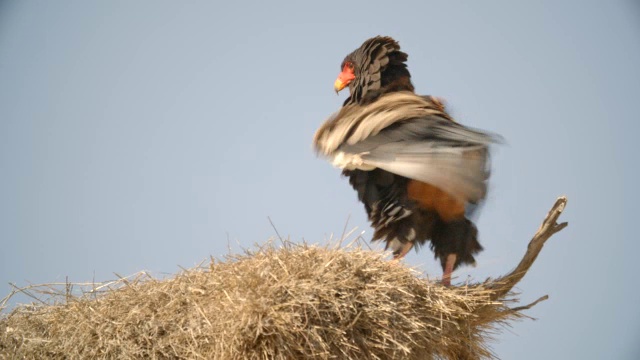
<point x="418" y="172"/>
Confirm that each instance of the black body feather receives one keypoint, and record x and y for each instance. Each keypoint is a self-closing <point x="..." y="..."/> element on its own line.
<point x="389" y="137"/>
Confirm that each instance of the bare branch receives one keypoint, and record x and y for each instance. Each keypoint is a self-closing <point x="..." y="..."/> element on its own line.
<point x="529" y="306"/>
<point x="549" y="227"/>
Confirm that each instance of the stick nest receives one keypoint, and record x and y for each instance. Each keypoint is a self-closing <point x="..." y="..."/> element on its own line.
<point x="278" y="302"/>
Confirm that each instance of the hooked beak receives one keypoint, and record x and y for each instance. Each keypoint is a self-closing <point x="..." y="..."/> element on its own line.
<point x="338" y="85"/>
<point x="345" y="77"/>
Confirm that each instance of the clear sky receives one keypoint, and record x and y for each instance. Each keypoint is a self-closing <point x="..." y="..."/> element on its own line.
<point x="150" y="134"/>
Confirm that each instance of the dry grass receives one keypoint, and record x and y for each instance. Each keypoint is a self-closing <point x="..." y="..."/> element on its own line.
<point x="286" y="302"/>
<point x="278" y="302"/>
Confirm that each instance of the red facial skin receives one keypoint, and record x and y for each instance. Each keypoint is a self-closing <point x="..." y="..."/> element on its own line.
<point x="345" y="77"/>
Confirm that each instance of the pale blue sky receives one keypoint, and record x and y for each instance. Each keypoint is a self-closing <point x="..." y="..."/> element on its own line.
<point x="141" y="135"/>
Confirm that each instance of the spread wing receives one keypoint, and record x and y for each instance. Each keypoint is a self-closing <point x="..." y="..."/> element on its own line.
<point x="412" y="136"/>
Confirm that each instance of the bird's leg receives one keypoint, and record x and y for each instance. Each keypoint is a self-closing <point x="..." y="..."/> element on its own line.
<point x="448" y="269"/>
<point x="404" y="250"/>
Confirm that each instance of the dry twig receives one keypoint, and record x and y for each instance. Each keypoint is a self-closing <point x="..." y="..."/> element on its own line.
<point x="504" y="284"/>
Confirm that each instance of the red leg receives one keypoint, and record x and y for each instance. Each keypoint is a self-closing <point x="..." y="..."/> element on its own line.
<point x="448" y="269"/>
<point x="403" y="251"/>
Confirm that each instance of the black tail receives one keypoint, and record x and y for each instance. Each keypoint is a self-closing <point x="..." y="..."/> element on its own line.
<point x="458" y="237"/>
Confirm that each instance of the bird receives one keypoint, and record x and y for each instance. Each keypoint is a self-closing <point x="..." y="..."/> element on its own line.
<point x="420" y="174"/>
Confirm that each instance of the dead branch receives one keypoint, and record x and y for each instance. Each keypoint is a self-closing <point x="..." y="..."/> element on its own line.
<point x="549" y="226"/>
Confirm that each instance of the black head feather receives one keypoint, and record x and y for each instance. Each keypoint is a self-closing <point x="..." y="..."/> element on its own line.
<point x="379" y="67"/>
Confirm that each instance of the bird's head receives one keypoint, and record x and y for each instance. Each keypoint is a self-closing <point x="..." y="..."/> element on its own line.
<point x="376" y="64"/>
